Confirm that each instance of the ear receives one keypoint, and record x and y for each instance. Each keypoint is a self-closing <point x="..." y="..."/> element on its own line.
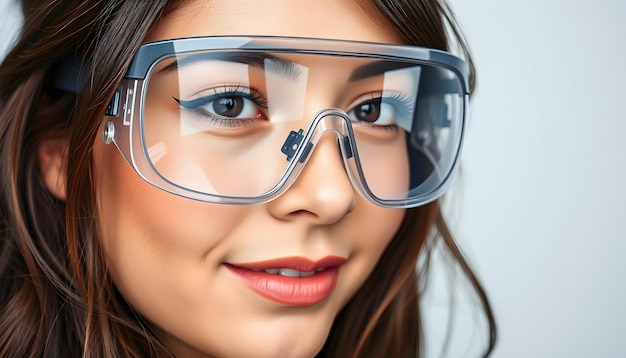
<point x="51" y="157"/>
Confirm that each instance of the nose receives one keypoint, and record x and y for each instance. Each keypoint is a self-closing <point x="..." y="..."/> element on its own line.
<point x="322" y="193"/>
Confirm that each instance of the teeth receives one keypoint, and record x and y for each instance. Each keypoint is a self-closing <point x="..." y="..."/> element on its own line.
<point x="291" y="273"/>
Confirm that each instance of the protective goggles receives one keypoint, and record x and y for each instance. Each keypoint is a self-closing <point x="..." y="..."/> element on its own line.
<point x="235" y="119"/>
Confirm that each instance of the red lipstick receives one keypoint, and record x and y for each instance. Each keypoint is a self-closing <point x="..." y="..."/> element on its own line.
<point x="294" y="281"/>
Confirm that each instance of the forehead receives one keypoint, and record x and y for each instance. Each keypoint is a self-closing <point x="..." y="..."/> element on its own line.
<point x="333" y="19"/>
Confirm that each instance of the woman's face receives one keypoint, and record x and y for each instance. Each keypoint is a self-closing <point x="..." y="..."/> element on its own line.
<point x="196" y="270"/>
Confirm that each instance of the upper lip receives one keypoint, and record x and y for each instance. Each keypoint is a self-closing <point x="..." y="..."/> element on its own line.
<point x="295" y="263"/>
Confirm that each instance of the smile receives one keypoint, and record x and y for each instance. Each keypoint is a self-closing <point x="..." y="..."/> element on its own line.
<point x="293" y="281"/>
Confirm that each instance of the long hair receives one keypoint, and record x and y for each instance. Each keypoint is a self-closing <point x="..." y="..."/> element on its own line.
<point x="56" y="298"/>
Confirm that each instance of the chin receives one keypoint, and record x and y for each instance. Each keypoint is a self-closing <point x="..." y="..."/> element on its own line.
<point x="288" y="346"/>
<point x="281" y="338"/>
<point x="303" y="347"/>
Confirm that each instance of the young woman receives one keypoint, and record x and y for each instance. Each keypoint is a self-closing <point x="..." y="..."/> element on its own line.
<point x="225" y="178"/>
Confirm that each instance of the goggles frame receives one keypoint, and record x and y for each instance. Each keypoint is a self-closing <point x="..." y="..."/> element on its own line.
<point x="126" y="109"/>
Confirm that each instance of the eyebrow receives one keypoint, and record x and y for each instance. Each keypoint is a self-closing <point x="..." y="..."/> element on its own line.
<point x="377" y="68"/>
<point x="260" y="60"/>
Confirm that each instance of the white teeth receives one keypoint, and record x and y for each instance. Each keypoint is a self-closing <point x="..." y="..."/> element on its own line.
<point x="291" y="273"/>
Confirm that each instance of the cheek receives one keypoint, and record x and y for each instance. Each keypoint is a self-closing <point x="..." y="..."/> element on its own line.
<point x="379" y="229"/>
<point x="159" y="247"/>
<point x="372" y="230"/>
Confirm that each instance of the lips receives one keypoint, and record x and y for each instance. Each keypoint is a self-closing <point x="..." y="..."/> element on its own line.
<point x="294" y="281"/>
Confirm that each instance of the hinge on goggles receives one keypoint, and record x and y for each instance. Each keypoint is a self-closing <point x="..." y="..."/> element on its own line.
<point x="114" y="106"/>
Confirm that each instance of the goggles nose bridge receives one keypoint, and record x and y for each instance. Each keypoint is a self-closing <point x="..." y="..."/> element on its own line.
<point x="329" y="120"/>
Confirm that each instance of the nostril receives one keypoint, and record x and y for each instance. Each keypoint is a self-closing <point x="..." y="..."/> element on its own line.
<point x="302" y="213"/>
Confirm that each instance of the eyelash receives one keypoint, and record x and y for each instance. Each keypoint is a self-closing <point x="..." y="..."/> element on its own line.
<point x="193" y="106"/>
<point x="401" y="99"/>
<point x="398" y="99"/>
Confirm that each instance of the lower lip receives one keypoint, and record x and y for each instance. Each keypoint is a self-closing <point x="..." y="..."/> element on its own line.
<point x="292" y="291"/>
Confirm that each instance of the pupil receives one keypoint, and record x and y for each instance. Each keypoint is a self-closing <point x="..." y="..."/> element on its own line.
<point x="369" y="112"/>
<point x="228" y="106"/>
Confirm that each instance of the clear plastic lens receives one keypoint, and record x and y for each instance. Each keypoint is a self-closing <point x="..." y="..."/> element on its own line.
<point x="430" y="143"/>
<point x="231" y="124"/>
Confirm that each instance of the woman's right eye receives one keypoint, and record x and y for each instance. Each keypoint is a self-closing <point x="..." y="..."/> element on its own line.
<point x="226" y="106"/>
<point x="232" y="107"/>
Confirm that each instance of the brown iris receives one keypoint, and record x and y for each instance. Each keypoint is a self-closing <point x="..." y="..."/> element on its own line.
<point x="228" y="106"/>
<point x="368" y="111"/>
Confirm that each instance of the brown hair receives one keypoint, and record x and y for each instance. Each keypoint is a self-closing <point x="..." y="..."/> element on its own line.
<point x="56" y="297"/>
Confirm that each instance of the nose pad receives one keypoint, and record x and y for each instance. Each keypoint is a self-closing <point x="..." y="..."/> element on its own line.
<point x="347" y="147"/>
<point x="292" y="143"/>
<point x="320" y="125"/>
<point x="295" y="139"/>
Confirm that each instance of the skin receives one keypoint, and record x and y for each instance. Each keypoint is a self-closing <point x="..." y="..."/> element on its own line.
<point x="166" y="253"/>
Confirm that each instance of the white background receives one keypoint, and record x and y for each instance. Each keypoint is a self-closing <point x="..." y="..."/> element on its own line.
<point x="540" y="206"/>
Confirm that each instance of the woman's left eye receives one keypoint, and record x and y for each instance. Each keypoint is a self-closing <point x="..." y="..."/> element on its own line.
<point x="374" y="111"/>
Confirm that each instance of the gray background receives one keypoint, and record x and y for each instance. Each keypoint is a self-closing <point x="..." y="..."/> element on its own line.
<point x="539" y="207"/>
<point x="543" y="197"/>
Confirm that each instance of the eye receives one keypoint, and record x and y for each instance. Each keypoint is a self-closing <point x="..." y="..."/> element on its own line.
<point x="368" y="112"/>
<point x="224" y="106"/>
<point x="374" y="111"/>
